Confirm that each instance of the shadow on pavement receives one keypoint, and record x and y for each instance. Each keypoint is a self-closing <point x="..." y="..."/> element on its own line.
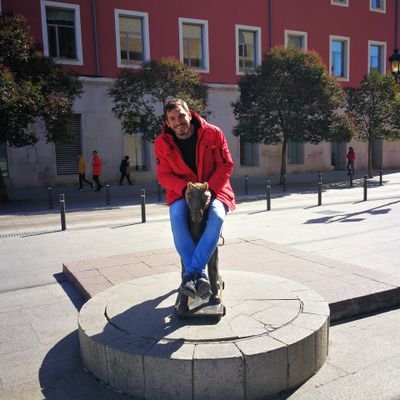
<point x="76" y="299"/>
<point x="351" y="217"/>
<point x="62" y="375"/>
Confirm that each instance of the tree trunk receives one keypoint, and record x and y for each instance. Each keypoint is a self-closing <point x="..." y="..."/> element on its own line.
<point x="283" y="160"/>
<point x="370" y="147"/>
<point x="3" y="190"/>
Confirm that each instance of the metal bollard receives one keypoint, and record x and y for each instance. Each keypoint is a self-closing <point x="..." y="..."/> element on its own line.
<point x="62" y="211"/>
<point x="246" y="185"/>
<point x="268" y="195"/>
<point x="319" y="188"/>
<point x="143" y="204"/>
<point x="380" y="177"/>
<point x="108" y="194"/>
<point x="365" y="187"/>
<point x="284" y="183"/>
<point x="50" y="196"/>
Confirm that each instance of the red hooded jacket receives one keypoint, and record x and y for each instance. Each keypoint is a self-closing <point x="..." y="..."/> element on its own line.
<point x="213" y="160"/>
<point x="96" y="165"/>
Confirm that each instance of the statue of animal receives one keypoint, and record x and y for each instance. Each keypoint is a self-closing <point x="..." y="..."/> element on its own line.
<point x="197" y="201"/>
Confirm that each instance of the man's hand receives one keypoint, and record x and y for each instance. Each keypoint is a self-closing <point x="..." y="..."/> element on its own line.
<point x="207" y="196"/>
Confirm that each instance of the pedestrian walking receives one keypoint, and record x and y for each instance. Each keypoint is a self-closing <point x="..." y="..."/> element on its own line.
<point x="123" y="168"/>
<point x="96" y="170"/>
<point x="82" y="172"/>
<point x="351" y="156"/>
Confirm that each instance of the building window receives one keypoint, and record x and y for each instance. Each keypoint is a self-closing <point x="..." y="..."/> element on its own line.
<point x="249" y="153"/>
<point x="61" y="29"/>
<point x="295" y="152"/>
<point x="3" y="159"/>
<point x="132" y="33"/>
<point x="296" y="39"/>
<point x="193" y="40"/>
<point x="248" y="49"/>
<point x="378" y="5"/>
<point x="67" y="152"/>
<point x="339" y="57"/>
<point x="377" y="56"/>
<point x="135" y="148"/>
<point x="343" y="3"/>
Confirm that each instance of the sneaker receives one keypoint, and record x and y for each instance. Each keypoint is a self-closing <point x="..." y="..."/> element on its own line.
<point x="188" y="287"/>
<point x="203" y="286"/>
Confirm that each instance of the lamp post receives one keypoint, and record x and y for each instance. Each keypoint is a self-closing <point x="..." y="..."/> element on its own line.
<point x="394" y="60"/>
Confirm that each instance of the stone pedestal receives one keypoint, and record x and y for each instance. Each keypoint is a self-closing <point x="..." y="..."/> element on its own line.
<point x="273" y="337"/>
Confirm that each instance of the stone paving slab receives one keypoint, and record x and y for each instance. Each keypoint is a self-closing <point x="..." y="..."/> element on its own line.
<point x="350" y="290"/>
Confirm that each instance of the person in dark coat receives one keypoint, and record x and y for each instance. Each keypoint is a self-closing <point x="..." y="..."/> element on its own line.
<point x="123" y="168"/>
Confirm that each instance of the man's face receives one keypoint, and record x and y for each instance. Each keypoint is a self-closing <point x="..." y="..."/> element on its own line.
<point x="178" y="120"/>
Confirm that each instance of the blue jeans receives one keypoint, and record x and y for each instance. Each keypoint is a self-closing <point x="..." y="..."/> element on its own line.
<point x="195" y="257"/>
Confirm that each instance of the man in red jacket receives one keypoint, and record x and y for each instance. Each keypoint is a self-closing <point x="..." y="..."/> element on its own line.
<point x="96" y="170"/>
<point x="189" y="149"/>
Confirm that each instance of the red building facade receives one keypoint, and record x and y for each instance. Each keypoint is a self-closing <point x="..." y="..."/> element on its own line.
<point x="221" y="40"/>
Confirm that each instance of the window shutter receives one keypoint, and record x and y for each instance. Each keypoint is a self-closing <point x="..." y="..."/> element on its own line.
<point x="67" y="153"/>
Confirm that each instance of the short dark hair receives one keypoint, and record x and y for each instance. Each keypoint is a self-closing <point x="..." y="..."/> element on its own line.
<point x="173" y="103"/>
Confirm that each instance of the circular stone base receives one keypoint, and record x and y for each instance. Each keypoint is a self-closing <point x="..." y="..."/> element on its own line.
<point x="273" y="337"/>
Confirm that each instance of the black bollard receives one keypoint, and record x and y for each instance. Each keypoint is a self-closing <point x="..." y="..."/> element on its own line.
<point x="143" y="204"/>
<point x="246" y="185"/>
<point x="284" y="183"/>
<point x="380" y="177"/>
<point x="268" y="195"/>
<point x="108" y="194"/>
<point x="62" y="211"/>
<point x="319" y="188"/>
<point x="365" y="187"/>
<point x="50" y="196"/>
<point x="351" y="179"/>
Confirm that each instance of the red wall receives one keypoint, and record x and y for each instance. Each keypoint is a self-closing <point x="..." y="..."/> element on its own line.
<point x="356" y="22"/>
<point x="316" y="17"/>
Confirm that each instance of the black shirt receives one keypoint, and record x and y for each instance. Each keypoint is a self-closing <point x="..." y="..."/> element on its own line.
<point x="188" y="149"/>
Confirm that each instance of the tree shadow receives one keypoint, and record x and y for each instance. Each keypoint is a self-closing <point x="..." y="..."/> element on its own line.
<point x="353" y="217"/>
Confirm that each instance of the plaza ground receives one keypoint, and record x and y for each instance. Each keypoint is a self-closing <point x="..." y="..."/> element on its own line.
<point x="38" y="339"/>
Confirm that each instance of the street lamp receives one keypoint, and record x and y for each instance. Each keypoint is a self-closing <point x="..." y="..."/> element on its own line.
<point x="394" y="60"/>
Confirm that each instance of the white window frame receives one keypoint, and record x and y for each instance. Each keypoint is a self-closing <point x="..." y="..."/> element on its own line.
<point x="383" y="55"/>
<point x="378" y="10"/>
<point x="339" y="3"/>
<point x="257" y="31"/>
<point x="78" y="34"/>
<point x="303" y="35"/>
<point x="345" y="39"/>
<point x="204" y="24"/>
<point x="146" y="36"/>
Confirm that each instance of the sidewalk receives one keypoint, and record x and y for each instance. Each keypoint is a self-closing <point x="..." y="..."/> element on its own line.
<point x="40" y="200"/>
